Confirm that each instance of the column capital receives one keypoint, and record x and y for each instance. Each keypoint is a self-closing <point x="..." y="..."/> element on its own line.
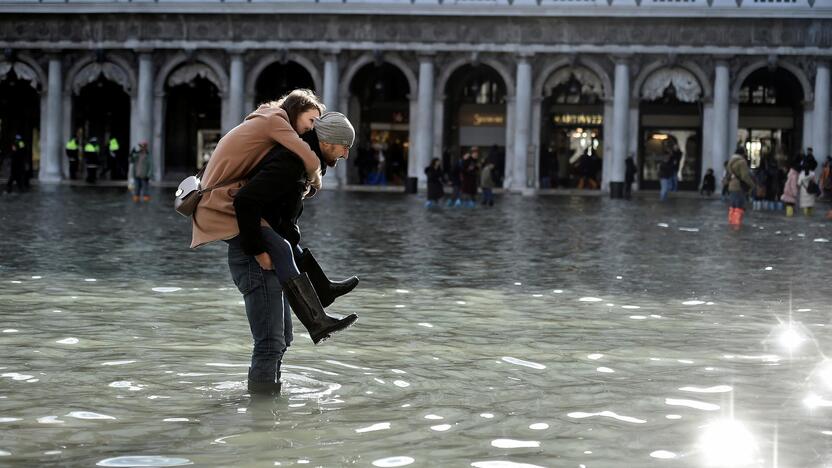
<point x="524" y="57"/>
<point x="622" y="58"/>
<point x="143" y="50"/>
<point x="330" y="54"/>
<point x="426" y="55"/>
<point x="724" y="60"/>
<point x="235" y="51"/>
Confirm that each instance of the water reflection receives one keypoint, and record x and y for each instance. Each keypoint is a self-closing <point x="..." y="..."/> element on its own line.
<point x="499" y="338"/>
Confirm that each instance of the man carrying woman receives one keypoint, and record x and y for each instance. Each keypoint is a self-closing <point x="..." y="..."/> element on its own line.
<point x="257" y="216"/>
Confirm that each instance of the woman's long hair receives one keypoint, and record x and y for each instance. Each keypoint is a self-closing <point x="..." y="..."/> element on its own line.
<point x="297" y="102"/>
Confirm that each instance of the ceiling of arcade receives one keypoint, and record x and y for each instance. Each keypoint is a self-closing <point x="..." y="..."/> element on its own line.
<point x="445" y="33"/>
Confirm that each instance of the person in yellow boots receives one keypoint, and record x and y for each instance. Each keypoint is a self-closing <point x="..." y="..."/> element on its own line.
<point x="790" y="190"/>
<point x="740" y="183"/>
<point x="142" y="170"/>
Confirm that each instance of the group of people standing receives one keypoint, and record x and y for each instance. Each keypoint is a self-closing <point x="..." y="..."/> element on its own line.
<point x="803" y="186"/>
<point x="466" y="175"/>
<point x="799" y="188"/>
<point x="136" y="167"/>
<point x="96" y="163"/>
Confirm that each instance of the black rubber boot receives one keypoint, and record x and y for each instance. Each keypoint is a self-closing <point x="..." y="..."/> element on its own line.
<point x="264" y="388"/>
<point x="327" y="290"/>
<point x="308" y="309"/>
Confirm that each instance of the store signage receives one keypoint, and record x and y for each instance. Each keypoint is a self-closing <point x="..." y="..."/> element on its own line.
<point x="490" y="120"/>
<point x="478" y="115"/>
<point x="578" y="119"/>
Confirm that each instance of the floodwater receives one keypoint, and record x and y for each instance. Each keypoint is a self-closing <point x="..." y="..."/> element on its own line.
<point x="556" y="332"/>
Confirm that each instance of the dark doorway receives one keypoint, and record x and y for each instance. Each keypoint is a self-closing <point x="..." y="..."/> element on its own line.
<point x="192" y="126"/>
<point x="571" y="140"/>
<point x="670" y="129"/>
<point x="278" y="79"/>
<point x="475" y="116"/>
<point x="770" y="116"/>
<point x="101" y="110"/>
<point x="19" y="115"/>
<point x="380" y="92"/>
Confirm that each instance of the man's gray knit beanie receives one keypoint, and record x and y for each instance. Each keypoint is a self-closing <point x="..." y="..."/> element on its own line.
<point x="335" y="128"/>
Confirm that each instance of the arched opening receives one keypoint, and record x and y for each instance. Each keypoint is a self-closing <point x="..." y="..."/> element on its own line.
<point x="475" y="112"/>
<point x="380" y="93"/>
<point x="19" y="115"/>
<point x="101" y="111"/>
<point x="192" y="122"/>
<point x="770" y="117"/>
<point x="571" y="131"/>
<point x="670" y="128"/>
<point x="278" y="79"/>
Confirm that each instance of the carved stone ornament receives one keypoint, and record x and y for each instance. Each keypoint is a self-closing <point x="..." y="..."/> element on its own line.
<point x="187" y="73"/>
<point x="590" y="83"/>
<point x="93" y="71"/>
<point x="24" y="72"/>
<point x="686" y="85"/>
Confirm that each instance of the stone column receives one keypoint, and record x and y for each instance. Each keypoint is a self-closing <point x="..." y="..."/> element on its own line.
<point x="537" y="105"/>
<point x="423" y="145"/>
<point x="236" y="91"/>
<point x="508" y="180"/>
<point x="144" y="101"/>
<point x="158" y="139"/>
<point x="438" y="127"/>
<point x="721" y="116"/>
<point x="606" y="131"/>
<point x="620" y="113"/>
<point x="820" y="112"/>
<point x="50" y="165"/>
<point x="412" y="169"/>
<point x="522" y="123"/>
<point x="331" y="82"/>
<point x="338" y="177"/>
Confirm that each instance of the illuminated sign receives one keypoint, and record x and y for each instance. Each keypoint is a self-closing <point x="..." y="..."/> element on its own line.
<point x="479" y="120"/>
<point x="578" y="119"/>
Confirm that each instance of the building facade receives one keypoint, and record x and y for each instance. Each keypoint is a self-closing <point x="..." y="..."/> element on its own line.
<point x="536" y="85"/>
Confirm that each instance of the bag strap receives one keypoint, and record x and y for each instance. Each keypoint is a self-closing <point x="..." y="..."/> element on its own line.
<point x="222" y="184"/>
<point x="215" y="186"/>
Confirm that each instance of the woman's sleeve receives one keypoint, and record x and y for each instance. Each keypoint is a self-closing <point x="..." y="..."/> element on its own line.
<point x="282" y="132"/>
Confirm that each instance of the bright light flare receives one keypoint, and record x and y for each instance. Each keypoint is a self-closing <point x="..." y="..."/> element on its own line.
<point x="728" y="443"/>
<point x="790" y="338"/>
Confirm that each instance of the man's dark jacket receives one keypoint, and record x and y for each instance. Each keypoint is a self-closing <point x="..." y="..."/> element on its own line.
<point x="274" y="192"/>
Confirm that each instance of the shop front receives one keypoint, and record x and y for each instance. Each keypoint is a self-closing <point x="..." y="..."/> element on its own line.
<point x="571" y="149"/>
<point x="670" y="128"/>
<point x="770" y="117"/>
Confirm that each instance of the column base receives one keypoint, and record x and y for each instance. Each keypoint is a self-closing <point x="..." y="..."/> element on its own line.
<point x="411" y="185"/>
<point x="49" y="178"/>
<point x="616" y="189"/>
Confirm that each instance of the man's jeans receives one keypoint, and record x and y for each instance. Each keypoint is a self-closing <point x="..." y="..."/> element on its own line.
<point x="665" y="184"/>
<point x="269" y="316"/>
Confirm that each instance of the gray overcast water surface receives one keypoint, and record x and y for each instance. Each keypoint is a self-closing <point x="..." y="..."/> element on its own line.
<point x="556" y="332"/>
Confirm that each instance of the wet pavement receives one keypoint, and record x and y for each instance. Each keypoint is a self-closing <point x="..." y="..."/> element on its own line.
<point x="551" y="331"/>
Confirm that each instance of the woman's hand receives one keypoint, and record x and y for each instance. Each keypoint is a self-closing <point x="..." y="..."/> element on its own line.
<point x="314" y="180"/>
<point x="265" y="261"/>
